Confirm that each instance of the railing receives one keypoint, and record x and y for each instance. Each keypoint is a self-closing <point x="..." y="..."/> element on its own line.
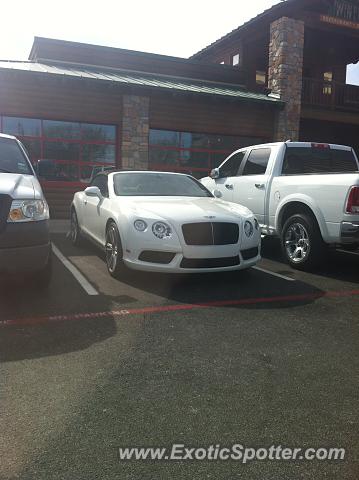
<point x="333" y="95"/>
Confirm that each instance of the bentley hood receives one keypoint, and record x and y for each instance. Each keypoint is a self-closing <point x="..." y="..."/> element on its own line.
<point x="187" y="209"/>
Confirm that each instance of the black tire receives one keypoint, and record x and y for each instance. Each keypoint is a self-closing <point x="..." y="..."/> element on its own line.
<point x="75" y="231"/>
<point x="302" y="243"/>
<point x="42" y="278"/>
<point x="114" y="253"/>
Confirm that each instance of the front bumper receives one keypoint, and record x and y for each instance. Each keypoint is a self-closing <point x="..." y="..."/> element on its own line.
<point x="175" y="266"/>
<point x="24" y="259"/>
<point x="24" y="247"/>
<point x="349" y="232"/>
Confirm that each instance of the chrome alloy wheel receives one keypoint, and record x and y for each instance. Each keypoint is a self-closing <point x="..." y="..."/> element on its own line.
<point x="112" y="249"/>
<point x="74" y="228"/>
<point x="297" y="243"/>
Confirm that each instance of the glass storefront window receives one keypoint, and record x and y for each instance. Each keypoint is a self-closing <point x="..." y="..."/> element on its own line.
<point x="61" y="151"/>
<point x="162" y="156"/>
<point x="55" y="129"/>
<point x="70" y="151"/>
<point x="30" y="127"/>
<point x="103" y="133"/>
<point x="164" y="137"/>
<point x="99" y="153"/>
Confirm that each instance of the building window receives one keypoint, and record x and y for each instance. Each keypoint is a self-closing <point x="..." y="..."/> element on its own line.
<point x="222" y="63"/>
<point x="261" y="78"/>
<point x="328" y="79"/>
<point x="194" y="153"/>
<point x="72" y="151"/>
<point x="236" y="59"/>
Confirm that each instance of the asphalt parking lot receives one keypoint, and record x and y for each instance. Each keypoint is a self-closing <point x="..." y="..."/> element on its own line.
<point x="268" y="356"/>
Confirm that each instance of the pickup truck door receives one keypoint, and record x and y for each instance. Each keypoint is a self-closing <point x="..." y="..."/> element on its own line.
<point x="228" y="174"/>
<point x="251" y="184"/>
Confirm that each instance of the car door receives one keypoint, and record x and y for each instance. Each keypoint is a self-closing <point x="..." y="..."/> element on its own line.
<point x="227" y="174"/>
<point x="95" y="209"/>
<point x="251" y="184"/>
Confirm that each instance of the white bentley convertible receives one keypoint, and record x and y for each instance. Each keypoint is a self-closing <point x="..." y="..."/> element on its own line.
<point x="166" y="222"/>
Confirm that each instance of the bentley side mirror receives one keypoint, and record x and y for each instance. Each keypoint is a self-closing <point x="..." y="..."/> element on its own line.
<point x="215" y="173"/>
<point x="93" y="192"/>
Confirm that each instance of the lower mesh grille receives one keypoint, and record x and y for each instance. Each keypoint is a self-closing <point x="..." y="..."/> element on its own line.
<point x="250" y="253"/>
<point x="210" y="262"/>
<point x="156" y="257"/>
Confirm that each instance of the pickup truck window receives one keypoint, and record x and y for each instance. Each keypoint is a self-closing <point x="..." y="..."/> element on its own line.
<point x="12" y="159"/>
<point x="232" y="165"/>
<point x="257" y="162"/>
<point x="312" y="160"/>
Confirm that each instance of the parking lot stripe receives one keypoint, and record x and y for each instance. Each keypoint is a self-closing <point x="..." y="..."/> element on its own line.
<point x="43" y="319"/>
<point x="347" y="251"/>
<point x="279" y="275"/>
<point x="85" y="284"/>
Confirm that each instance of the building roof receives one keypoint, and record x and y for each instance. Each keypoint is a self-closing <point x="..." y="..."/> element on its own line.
<point x="280" y="8"/>
<point x="140" y="79"/>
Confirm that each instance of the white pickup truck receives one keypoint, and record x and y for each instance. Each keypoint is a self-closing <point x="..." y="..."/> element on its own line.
<point x="307" y="194"/>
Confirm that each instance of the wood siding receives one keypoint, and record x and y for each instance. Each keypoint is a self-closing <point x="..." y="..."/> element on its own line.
<point x="211" y="116"/>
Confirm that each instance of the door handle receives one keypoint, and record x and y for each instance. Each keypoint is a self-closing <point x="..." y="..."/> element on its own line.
<point x="259" y="185"/>
<point x="229" y="186"/>
<point x="85" y="202"/>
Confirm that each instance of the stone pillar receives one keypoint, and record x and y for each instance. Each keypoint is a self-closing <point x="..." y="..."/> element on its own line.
<point x="135" y="131"/>
<point x="286" y="73"/>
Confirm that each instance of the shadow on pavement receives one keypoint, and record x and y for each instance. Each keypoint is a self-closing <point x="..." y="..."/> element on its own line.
<point x="19" y="300"/>
<point x="20" y="343"/>
<point x="209" y="287"/>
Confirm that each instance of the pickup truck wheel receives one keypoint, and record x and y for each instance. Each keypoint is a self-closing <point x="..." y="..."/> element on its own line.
<point x="75" y="231"/>
<point x="114" y="254"/>
<point x="302" y="242"/>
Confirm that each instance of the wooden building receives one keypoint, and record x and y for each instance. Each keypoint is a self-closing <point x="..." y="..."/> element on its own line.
<point x="282" y="75"/>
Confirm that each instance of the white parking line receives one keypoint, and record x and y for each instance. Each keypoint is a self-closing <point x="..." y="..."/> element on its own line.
<point x="85" y="284"/>
<point x="274" y="274"/>
<point x="347" y="251"/>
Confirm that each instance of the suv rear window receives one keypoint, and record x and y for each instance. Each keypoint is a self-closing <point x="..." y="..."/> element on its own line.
<point x="12" y="159"/>
<point x="311" y="160"/>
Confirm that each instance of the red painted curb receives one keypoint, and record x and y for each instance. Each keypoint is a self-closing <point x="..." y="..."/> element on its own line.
<point x="173" y="308"/>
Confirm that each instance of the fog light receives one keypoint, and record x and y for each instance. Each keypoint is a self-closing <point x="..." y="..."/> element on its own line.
<point x="248" y="228"/>
<point x="140" y="225"/>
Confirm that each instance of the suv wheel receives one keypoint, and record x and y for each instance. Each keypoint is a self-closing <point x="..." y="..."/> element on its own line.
<point x="302" y="242"/>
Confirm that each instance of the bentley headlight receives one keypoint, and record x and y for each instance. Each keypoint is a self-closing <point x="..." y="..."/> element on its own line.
<point x="140" y="225"/>
<point x="161" y="230"/>
<point x="28" y="211"/>
<point x="248" y="228"/>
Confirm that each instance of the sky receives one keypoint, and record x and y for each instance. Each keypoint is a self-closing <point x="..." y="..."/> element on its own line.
<point x="159" y="26"/>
